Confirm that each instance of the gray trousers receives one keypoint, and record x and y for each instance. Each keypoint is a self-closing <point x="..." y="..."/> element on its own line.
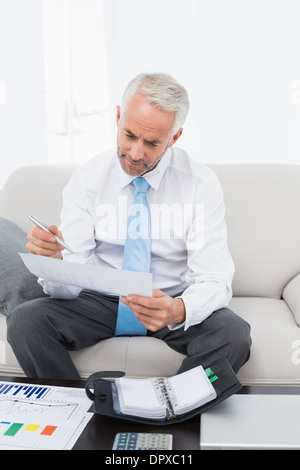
<point x="41" y="333"/>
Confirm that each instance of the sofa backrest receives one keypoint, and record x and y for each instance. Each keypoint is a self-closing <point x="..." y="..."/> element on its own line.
<point x="36" y="190"/>
<point x="262" y="214"/>
<point x="263" y="221"/>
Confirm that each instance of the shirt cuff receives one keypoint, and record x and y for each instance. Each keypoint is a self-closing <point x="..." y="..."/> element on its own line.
<point x="59" y="291"/>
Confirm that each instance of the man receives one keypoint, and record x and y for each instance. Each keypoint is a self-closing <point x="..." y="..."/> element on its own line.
<point x="190" y="262"/>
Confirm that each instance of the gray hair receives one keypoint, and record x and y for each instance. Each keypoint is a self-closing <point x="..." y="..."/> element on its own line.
<point x="161" y="90"/>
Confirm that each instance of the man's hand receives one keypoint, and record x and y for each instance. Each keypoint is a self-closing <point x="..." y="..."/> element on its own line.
<point x="157" y="311"/>
<point x="44" y="243"/>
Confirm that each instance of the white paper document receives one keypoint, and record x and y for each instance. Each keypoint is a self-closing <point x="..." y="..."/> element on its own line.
<point x="41" y="417"/>
<point x="86" y="276"/>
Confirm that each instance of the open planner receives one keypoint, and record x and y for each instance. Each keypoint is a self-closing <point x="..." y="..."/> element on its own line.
<point x="159" y="397"/>
<point x="161" y="401"/>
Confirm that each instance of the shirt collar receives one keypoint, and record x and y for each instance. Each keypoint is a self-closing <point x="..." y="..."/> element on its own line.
<point x="153" y="177"/>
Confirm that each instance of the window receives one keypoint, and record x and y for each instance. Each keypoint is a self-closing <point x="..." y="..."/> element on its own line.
<point x="77" y="97"/>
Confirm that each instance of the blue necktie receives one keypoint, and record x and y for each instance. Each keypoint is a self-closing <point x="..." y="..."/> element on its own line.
<point x="137" y="254"/>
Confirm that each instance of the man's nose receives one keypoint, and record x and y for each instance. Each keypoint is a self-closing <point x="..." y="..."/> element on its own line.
<point x="137" y="151"/>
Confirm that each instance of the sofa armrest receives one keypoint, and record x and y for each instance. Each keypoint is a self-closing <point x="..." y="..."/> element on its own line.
<point x="291" y="295"/>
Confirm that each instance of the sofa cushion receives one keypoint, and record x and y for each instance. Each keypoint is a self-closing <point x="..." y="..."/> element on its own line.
<point x="17" y="284"/>
<point x="262" y="214"/>
<point x="138" y="356"/>
<point x="274" y="357"/>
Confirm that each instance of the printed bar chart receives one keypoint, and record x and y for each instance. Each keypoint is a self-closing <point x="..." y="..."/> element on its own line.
<point x="41" y="417"/>
<point x="23" y="391"/>
<point x="13" y="428"/>
<point x="39" y="436"/>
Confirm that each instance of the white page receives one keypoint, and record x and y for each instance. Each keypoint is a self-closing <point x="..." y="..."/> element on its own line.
<point x="138" y="393"/>
<point x="46" y="417"/>
<point x="190" y="386"/>
<point x="87" y="276"/>
<point x="44" y="403"/>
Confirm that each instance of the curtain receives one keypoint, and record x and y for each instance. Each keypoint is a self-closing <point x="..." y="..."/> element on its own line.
<point x="238" y="59"/>
<point x="22" y="108"/>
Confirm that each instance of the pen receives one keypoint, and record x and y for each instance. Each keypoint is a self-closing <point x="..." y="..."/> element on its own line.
<point x="44" y="227"/>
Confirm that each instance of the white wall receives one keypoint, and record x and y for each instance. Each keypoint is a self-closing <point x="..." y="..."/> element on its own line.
<point x="22" y="106"/>
<point x="239" y="59"/>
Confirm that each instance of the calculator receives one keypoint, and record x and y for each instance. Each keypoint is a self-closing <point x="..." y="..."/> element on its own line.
<point x="142" y="441"/>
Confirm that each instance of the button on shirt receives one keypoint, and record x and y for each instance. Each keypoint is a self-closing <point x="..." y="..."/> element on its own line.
<point x="189" y="252"/>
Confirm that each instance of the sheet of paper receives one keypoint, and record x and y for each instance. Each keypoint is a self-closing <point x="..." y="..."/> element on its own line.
<point x="112" y="281"/>
<point x="41" y="417"/>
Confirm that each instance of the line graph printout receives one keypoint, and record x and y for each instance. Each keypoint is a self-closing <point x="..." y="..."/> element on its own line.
<point x="41" y="417"/>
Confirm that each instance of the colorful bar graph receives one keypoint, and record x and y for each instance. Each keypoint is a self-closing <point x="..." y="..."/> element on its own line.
<point x="36" y="416"/>
<point x="15" y="427"/>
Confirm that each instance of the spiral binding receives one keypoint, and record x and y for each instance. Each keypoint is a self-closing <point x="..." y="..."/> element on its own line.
<point x="165" y="397"/>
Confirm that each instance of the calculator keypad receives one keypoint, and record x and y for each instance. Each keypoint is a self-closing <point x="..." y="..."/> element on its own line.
<point x="143" y="441"/>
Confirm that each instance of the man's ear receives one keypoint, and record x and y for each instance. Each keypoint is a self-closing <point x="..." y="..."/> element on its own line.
<point x="118" y="115"/>
<point x="175" y="137"/>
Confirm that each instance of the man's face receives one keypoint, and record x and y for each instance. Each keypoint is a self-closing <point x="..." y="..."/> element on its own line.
<point x="144" y="136"/>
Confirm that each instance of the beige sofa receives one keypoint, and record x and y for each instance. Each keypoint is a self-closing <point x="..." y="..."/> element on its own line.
<point x="263" y="220"/>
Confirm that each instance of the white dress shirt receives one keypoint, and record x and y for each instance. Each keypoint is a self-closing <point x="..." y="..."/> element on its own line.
<point x="189" y="252"/>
